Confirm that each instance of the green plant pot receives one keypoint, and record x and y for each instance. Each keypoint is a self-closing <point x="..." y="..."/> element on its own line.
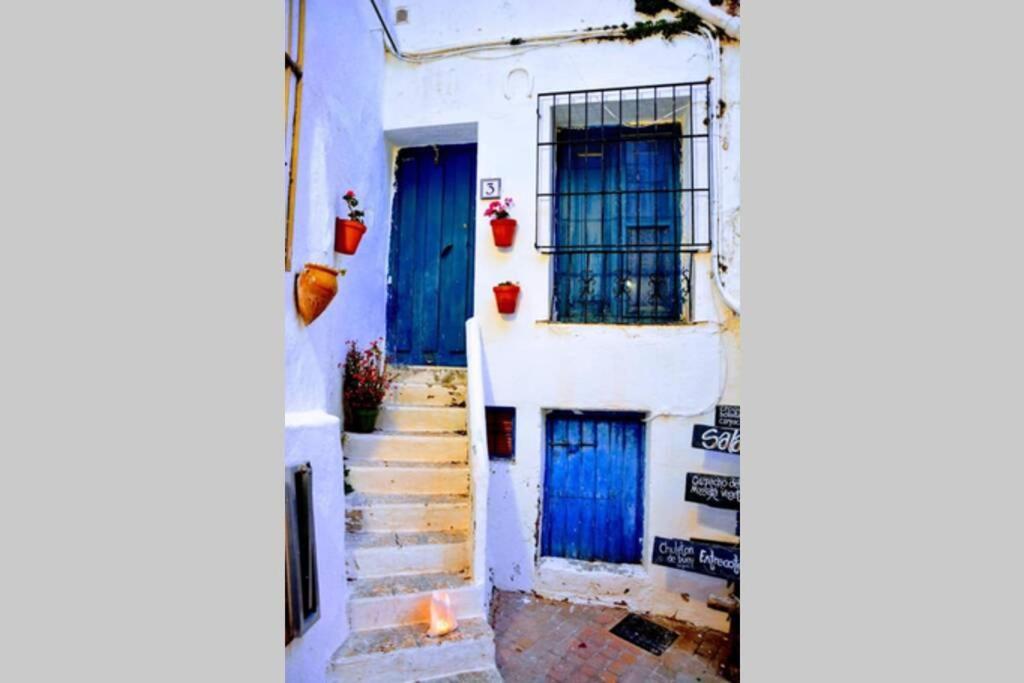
<point x="363" y="420"/>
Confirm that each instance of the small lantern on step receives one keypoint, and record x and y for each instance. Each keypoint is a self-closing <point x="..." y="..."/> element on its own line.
<point x="442" y="616"/>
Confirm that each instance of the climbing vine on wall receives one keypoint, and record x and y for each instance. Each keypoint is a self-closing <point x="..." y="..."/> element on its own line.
<point x="684" y="22"/>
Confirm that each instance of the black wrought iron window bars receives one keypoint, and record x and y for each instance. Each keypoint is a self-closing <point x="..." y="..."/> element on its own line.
<point x="624" y="199"/>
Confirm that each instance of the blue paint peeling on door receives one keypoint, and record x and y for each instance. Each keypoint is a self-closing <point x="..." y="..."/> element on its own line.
<point x="593" y="487"/>
<point x="430" y="290"/>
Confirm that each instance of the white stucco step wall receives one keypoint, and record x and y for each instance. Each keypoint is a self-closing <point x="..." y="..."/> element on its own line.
<point x="404" y="654"/>
<point x="630" y="586"/>
<point x="416" y="447"/>
<point x="383" y="512"/>
<point x="399" y="600"/>
<point x="402" y="418"/>
<point x="425" y="394"/>
<point x="490" y="675"/>
<point x="429" y="374"/>
<point x="408" y="477"/>
<point x="373" y="555"/>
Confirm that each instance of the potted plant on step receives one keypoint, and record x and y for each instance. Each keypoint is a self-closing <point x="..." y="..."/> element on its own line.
<point x="366" y="383"/>
<point x="506" y="294"/>
<point x="348" y="233"/>
<point x="503" y="227"/>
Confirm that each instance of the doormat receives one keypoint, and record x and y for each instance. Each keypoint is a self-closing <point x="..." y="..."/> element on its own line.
<point x="646" y="634"/>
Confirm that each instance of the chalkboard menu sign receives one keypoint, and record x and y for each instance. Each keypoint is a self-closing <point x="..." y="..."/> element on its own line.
<point x="715" y="490"/>
<point x="710" y="559"/>
<point x="721" y="439"/>
<point x="727" y="416"/>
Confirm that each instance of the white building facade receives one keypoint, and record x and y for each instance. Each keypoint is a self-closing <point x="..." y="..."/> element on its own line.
<point x="628" y="313"/>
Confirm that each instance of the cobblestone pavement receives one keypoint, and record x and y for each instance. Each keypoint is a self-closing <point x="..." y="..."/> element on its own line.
<point x="546" y="640"/>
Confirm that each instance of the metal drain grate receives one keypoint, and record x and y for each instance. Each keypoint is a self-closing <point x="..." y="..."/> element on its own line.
<point x="646" y="634"/>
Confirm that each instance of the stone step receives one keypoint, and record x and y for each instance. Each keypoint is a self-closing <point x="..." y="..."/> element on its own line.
<point x="376" y="555"/>
<point x="399" y="418"/>
<point x="396" y="600"/>
<point x="490" y="675"/>
<point x="390" y="512"/>
<point x="385" y="477"/>
<point x="405" y="653"/>
<point x="394" y="446"/>
<point x="426" y="394"/>
<point x="428" y="374"/>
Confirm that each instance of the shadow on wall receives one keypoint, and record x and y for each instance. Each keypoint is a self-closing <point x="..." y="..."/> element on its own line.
<point x="506" y="544"/>
<point x="505" y="533"/>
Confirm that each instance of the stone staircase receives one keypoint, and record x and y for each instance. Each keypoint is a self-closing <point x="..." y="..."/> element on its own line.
<point x="408" y="526"/>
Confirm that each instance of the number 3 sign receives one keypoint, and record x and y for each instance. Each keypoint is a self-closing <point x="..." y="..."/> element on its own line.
<point x="490" y="188"/>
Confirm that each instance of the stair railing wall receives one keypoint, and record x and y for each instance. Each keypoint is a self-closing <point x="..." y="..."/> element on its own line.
<point x="479" y="465"/>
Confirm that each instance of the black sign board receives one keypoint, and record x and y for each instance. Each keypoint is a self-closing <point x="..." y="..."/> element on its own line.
<point x="646" y="634"/>
<point x="727" y="416"/>
<point x="715" y="490"/>
<point x="711" y="559"/>
<point x="721" y="439"/>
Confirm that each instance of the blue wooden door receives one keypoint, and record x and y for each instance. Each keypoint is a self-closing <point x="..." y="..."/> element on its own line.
<point x="593" y="487"/>
<point x="430" y="286"/>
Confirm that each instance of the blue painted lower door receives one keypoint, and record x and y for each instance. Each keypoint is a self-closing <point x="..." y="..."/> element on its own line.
<point x="593" y="487"/>
<point x="430" y="290"/>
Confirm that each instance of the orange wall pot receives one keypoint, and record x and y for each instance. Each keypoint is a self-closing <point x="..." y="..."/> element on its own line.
<point x="504" y="231"/>
<point x="347" y="235"/>
<point x="507" y="296"/>
<point x="314" y="290"/>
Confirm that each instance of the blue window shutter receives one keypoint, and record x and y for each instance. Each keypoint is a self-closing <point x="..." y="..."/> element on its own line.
<point x="594" y="282"/>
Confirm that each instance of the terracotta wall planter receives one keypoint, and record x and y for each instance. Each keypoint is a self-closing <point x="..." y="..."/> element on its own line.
<point x="314" y="290"/>
<point x="347" y="235"/>
<point x="507" y="297"/>
<point x="504" y="231"/>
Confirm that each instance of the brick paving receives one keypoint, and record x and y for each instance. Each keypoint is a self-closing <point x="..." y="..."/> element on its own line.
<point x="548" y="640"/>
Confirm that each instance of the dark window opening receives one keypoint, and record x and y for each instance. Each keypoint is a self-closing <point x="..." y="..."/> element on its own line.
<point x="501" y="433"/>
<point x="302" y="591"/>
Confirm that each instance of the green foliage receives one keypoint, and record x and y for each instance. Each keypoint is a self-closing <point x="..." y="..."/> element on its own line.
<point x="652" y="7"/>
<point x="685" y="22"/>
<point x="354" y="214"/>
<point x="688" y="23"/>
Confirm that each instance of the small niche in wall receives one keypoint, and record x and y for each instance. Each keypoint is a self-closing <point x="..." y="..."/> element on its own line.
<point x="501" y="433"/>
<point x="302" y="590"/>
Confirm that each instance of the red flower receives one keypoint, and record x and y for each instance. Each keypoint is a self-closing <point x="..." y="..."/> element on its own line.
<point x="366" y="378"/>
<point x="350" y="193"/>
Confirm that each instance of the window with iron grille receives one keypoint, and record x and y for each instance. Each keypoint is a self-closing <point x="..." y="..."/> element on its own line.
<point x="623" y="188"/>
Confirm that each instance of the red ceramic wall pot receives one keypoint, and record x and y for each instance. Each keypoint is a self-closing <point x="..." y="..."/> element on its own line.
<point x="347" y="235"/>
<point x="507" y="296"/>
<point x="504" y="231"/>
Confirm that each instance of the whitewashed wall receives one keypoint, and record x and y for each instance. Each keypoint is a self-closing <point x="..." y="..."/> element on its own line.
<point x="341" y="147"/>
<point x="675" y="374"/>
